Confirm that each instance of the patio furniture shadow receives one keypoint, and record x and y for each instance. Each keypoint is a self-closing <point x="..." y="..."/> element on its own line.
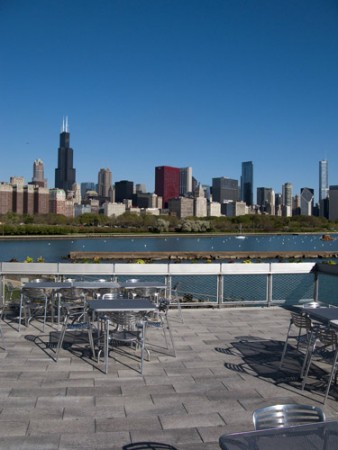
<point x="48" y="343"/>
<point x="148" y="446"/>
<point x="261" y="358"/>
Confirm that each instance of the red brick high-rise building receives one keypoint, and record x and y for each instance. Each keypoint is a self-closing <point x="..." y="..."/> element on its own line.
<point x="167" y="183"/>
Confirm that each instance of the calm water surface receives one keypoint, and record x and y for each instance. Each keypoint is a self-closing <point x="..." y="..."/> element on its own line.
<point x="56" y="250"/>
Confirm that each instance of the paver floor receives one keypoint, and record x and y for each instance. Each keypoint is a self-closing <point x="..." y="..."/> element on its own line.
<point x="226" y="366"/>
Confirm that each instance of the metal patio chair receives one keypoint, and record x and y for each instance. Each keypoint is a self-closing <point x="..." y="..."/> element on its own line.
<point x="101" y="292"/>
<point x="33" y="301"/>
<point x="69" y="296"/>
<point x="76" y="320"/>
<point x="323" y="349"/>
<point x="301" y="323"/>
<point x="160" y="320"/>
<point x="278" y="416"/>
<point x="175" y="301"/>
<point x="128" y="330"/>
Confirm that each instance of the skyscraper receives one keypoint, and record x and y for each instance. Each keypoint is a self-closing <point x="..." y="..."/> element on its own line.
<point x="167" y="183"/>
<point x="306" y="201"/>
<point x="87" y="186"/>
<point x="38" y="174"/>
<point x="266" y="200"/>
<point x="287" y="199"/>
<point x="124" y="190"/>
<point x="247" y="183"/>
<point x="225" y="190"/>
<point x="185" y="181"/>
<point x="104" y="183"/>
<point x="65" y="174"/>
<point x="323" y="180"/>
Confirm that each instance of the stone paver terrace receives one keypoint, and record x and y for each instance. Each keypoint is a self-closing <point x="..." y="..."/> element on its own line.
<point x="226" y="366"/>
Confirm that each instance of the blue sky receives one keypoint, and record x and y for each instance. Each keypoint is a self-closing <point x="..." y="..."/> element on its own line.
<point x="145" y="83"/>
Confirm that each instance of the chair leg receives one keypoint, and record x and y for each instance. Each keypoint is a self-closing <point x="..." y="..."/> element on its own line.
<point x="3" y="339"/>
<point x="308" y="357"/>
<point x="142" y="346"/>
<point x="106" y="345"/>
<point x="305" y="371"/>
<point x="91" y="340"/>
<point x="45" y="313"/>
<point x="170" y="334"/>
<point x="285" y="347"/>
<point x="20" y="312"/>
<point x="61" y="339"/>
<point x="333" y="371"/>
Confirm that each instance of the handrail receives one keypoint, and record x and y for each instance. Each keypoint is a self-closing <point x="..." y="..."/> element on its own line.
<point x="170" y="271"/>
<point x="59" y="269"/>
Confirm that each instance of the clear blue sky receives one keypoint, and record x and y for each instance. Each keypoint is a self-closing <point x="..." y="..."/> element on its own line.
<point x="206" y="84"/>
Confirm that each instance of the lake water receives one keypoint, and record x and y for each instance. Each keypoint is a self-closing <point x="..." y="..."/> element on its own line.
<point x="56" y="250"/>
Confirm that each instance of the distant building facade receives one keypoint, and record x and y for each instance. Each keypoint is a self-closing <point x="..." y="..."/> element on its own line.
<point x="200" y="202"/>
<point x="148" y="200"/>
<point x="57" y="201"/>
<point x="333" y="202"/>
<point x="114" y="209"/>
<point x="87" y="186"/>
<point x="266" y="200"/>
<point x="181" y="206"/>
<point x="214" y="209"/>
<point x="20" y="199"/>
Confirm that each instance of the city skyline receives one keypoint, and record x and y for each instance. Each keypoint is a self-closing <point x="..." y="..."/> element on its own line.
<point x="65" y="178"/>
<point x="179" y="83"/>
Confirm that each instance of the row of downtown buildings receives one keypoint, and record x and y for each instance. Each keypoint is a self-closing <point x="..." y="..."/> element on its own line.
<point x="176" y="192"/>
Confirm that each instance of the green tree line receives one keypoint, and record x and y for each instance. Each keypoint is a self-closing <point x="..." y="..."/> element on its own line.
<point x="52" y="224"/>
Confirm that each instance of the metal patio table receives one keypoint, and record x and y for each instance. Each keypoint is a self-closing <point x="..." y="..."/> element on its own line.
<point x="318" y="436"/>
<point x="326" y="315"/>
<point x="127" y="305"/>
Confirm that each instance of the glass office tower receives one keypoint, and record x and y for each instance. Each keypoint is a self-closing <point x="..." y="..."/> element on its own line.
<point x="323" y="180"/>
<point x="247" y="183"/>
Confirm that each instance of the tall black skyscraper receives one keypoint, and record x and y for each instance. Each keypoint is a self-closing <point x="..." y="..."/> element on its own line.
<point x="247" y="183"/>
<point x="65" y="173"/>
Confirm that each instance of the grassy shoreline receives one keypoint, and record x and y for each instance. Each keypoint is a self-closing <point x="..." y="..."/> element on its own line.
<point x="157" y="235"/>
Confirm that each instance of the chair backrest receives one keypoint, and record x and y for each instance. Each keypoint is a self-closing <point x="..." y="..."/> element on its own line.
<point x="71" y="294"/>
<point x="328" y="337"/>
<point x="35" y="293"/>
<point x="278" y="416"/>
<point x="127" y="320"/>
<point x="301" y="321"/>
<point x="110" y="296"/>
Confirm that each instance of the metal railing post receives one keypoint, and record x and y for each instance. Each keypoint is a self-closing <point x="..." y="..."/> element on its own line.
<point x="316" y="286"/>
<point x="3" y="292"/>
<point x="269" y="289"/>
<point x="220" y="290"/>
<point x="168" y="282"/>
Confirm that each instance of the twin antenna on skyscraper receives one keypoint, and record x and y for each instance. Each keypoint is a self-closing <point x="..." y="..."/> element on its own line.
<point x="64" y="125"/>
